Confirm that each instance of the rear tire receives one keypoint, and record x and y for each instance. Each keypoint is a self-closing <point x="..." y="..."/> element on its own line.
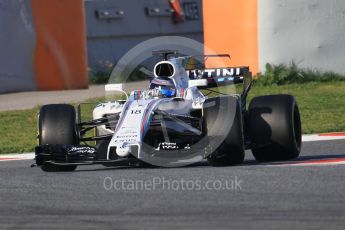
<point x="57" y="126"/>
<point x="274" y="127"/>
<point x="231" y="150"/>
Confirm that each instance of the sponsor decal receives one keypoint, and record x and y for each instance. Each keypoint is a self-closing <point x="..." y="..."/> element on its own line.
<point x="167" y="146"/>
<point x="126" y="138"/>
<point x="214" y="73"/>
<point x="81" y="149"/>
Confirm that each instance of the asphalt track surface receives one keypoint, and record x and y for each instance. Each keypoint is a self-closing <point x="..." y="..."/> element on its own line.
<point x="266" y="197"/>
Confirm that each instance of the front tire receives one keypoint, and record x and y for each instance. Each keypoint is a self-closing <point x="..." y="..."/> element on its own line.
<point x="57" y="126"/>
<point x="275" y="128"/>
<point x="218" y="116"/>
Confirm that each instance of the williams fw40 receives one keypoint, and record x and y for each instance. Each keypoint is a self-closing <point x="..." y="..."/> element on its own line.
<point x="173" y="122"/>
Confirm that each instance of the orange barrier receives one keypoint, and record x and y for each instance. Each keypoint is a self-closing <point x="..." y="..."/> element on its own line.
<point x="231" y="26"/>
<point x="60" y="53"/>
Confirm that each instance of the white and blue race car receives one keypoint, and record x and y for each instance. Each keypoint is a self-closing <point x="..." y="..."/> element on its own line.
<point x="172" y="123"/>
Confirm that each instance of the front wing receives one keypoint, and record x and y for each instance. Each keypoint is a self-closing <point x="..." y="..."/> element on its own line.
<point x="62" y="155"/>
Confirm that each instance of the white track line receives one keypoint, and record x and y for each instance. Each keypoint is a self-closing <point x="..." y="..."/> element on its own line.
<point x="16" y="157"/>
<point x="322" y="137"/>
<point x="311" y="162"/>
<point x="305" y="138"/>
<point x="340" y="162"/>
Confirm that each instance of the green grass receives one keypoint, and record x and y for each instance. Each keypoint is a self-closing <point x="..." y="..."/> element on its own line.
<point x="322" y="106"/>
<point x="18" y="131"/>
<point x="283" y="74"/>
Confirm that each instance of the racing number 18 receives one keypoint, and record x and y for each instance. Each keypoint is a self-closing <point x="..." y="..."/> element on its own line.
<point x="136" y="111"/>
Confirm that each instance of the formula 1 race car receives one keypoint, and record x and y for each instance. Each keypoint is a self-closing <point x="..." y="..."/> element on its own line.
<point x="172" y="121"/>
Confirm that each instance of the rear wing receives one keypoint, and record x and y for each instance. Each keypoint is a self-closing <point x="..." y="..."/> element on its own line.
<point x="218" y="76"/>
<point x="210" y="78"/>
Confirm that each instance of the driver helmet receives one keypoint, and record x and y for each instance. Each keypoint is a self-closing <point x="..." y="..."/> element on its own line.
<point x="166" y="87"/>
